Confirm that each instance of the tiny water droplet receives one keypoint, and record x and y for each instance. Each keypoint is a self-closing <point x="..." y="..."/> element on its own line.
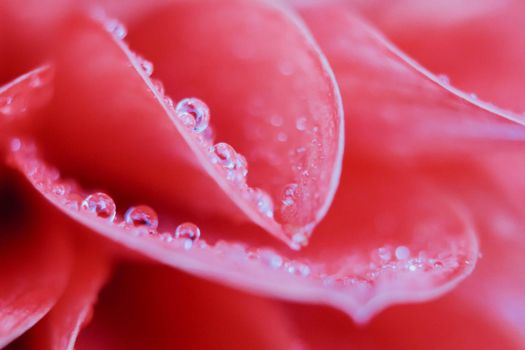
<point x="264" y="201"/>
<point x="281" y="137"/>
<point x="241" y="165"/>
<point x="197" y="109"/>
<point x="159" y="87"/>
<point x="402" y="252"/>
<point x="300" y="124"/>
<point x="142" y="216"/>
<point x="100" y="204"/>
<point x="289" y="195"/>
<point x="276" y="120"/>
<point x="384" y="253"/>
<point x="15" y="145"/>
<point x="297" y="268"/>
<point x="116" y="28"/>
<point x="224" y="155"/>
<point x="145" y="65"/>
<point x="444" y="78"/>
<point x="188" y="231"/>
<point x="270" y="258"/>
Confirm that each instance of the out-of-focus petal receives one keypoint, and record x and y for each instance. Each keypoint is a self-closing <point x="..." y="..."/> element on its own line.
<point x="34" y="260"/>
<point x="60" y="328"/>
<point x="155" y="308"/>
<point x="395" y="106"/>
<point x="477" y="44"/>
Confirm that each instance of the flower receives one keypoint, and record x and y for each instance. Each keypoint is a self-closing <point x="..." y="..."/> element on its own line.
<point x="182" y="179"/>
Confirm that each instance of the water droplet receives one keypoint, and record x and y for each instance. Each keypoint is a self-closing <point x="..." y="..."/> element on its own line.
<point x="402" y="252"/>
<point x="264" y="202"/>
<point x="444" y="78"/>
<point x="270" y="258"/>
<point x="384" y="253"/>
<point x="142" y="216"/>
<point x="289" y="195"/>
<point x="197" y="109"/>
<point x="224" y="155"/>
<point x="159" y="87"/>
<point x="281" y="137"/>
<point x="241" y="165"/>
<point x="15" y="145"/>
<point x="276" y="120"/>
<point x="116" y="28"/>
<point x="188" y="231"/>
<point x="145" y="65"/>
<point x="100" y="204"/>
<point x="300" y="124"/>
<point x="297" y="268"/>
<point x="13" y="104"/>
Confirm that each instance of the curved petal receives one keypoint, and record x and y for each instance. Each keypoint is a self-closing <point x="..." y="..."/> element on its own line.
<point x="129" y="115"/>
<point x="390" y="237"/>
<point x="150" y="307"/>
<point x="34" y="261"/>
<point x="398" y="107"/>
<point x="446" y="324"/>
<point x="23" y="95"/>
<point x="61" y="326"/>
<point x="476" y="43"/>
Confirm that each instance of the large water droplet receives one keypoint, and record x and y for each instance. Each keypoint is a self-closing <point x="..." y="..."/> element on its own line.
<point x="142" y="216"/>
<point x="100" y="204"/>
<point x="195" y="108"/>
<point x="402" y="252"/>
<point x="224" y="155"/>
<point x="270" y="258"/>
<point x="188" y="230"/>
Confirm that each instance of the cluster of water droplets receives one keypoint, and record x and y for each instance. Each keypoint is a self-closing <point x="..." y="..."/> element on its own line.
<point x="140" y="220"/>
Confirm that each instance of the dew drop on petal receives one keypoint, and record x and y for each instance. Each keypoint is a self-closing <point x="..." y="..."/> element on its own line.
<point x="300" y="124"/>
<point x="142" y="216"/>
<point x="402" y="252"/>
<point x="270" y="258"/>
<point x="384" y="253"/>
<point x="197" y="109"/>
<point x="264" y="201"/>
<point x="116" y="28"/>
<point x="224" y="155"/>
<point x="289" y="195"/>
<point x="145" y="65"/>
<point x="100" y="204"/>
<point x="188" y="231"/>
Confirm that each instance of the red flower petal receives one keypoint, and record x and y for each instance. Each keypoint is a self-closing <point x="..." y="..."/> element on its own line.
<point x="447" y="324"/>
<point x="303" y="150"/>
<point x="390" y="237"/>
<point x="34" y="263"/>
<point x="61" y="326"/>
<point x="476" y="43"/>
<point x="398" y="107"/>
<point x="154" y="308"/>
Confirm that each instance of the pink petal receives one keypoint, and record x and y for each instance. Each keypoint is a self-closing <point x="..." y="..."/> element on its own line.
<point x="128" y="116"/>
<point x="61" y="326"/>
<point x="396" y="106"/>
<point x="390" y="237"/>
<point x="154" y="308"/>
<point x="477" y="44"/>
<point x="34" y="261"/>
<point x="445" y="324"/>
<point x="24" y="95"/>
